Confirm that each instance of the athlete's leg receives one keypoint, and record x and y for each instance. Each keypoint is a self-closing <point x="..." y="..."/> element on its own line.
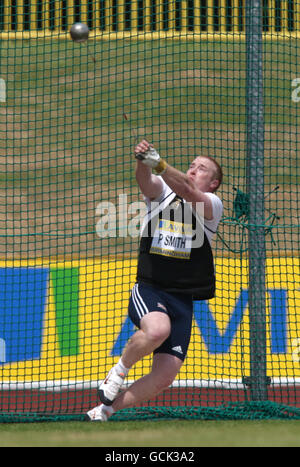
<point x="155" y="328"/>
<point x="164" y="370"/>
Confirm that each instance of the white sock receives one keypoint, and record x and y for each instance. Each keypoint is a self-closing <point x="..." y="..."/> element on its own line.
<point x="121" y="368"/>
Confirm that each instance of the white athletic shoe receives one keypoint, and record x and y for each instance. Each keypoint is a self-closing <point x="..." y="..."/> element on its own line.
<point x="97" y="414"/>
<point x="110" y="387"/>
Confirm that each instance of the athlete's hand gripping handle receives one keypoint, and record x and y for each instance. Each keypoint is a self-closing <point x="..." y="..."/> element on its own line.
<point x="146" y="153"/>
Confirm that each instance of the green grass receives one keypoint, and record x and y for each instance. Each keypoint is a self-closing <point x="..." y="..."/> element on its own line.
<point x="195" y="93"/>
<point x="153" y="434"/>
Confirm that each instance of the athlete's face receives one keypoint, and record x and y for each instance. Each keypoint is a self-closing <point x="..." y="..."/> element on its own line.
<point x="203" y="173"/>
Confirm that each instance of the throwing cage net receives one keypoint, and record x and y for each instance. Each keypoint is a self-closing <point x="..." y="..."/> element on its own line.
<point x="217" y="78"/>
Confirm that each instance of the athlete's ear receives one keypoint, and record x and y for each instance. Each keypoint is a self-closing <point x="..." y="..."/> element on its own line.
<point x="214" y="184"/>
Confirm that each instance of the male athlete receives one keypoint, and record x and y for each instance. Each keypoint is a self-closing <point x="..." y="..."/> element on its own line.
<point x="173" y="269"/>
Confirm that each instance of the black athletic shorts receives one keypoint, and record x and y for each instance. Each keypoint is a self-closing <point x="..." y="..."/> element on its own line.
<point x="179" y="307"/>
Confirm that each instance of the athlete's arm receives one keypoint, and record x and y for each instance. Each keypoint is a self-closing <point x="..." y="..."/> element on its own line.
<point x="177" y="180"/>
<point x="186" y="188"/>
<point x="150" y="185"/>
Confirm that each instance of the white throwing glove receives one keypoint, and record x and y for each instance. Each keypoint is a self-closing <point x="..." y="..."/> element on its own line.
<point x="153" y="160"/>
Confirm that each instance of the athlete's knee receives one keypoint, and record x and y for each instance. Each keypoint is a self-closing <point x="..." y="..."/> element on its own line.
<point x="158" y="335"/>
<point x="156" y="328"/>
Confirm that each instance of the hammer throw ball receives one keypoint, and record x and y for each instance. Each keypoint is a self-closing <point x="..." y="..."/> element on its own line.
<point x="79" y="32"/>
